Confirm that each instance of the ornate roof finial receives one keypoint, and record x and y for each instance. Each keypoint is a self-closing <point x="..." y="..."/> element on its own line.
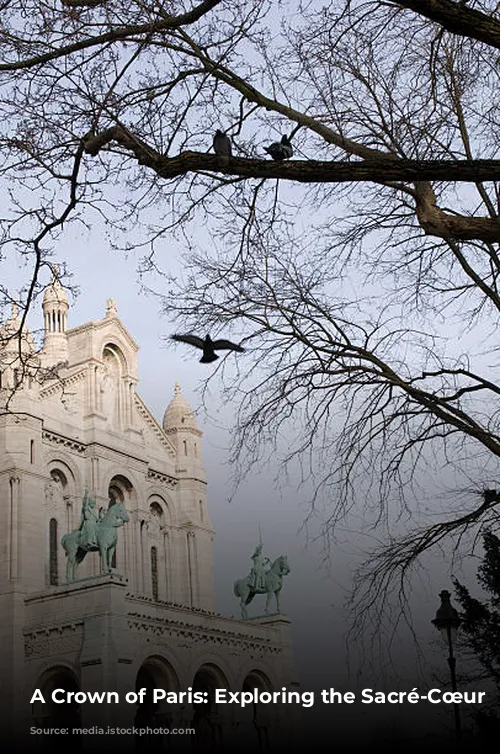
<point x="111" y="308"/>
<point x="177" y="389"/>
<point x="15" y="310"/>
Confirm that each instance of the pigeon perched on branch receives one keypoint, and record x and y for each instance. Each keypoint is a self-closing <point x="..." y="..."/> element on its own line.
<point x="208" y="346"/>
<point x="222" y="145"/>
<point x="280" y="150"/>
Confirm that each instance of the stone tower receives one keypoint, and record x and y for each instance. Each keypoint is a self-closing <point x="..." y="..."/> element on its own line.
<point x="55" y="310"/>
<point x="179" y="425"/>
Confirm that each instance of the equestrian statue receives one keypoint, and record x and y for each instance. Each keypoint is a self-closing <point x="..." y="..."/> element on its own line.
<point x="97" y="533"/>
<point x="264" y="578"/>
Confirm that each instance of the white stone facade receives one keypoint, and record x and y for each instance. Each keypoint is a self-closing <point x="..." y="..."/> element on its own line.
<point x="71" y="419"/>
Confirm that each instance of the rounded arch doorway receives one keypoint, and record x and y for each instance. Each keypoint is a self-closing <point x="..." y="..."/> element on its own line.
<point x="207" y="719"/>
<point x="154" y="673"/>
<point x="254" y="724"/>
<point x="50" y="716"/>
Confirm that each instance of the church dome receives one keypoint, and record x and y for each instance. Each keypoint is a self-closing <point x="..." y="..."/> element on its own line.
<point x="55" y="294"/>
<point x="179" y="413"/>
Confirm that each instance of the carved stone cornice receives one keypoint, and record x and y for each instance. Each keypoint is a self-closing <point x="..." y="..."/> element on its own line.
<point x="189" y="631"/>
<point x="53" y="640"/>
<point x="182" y="429"/>
<point x="56" y="439"/>
<point x="158" y="476"/>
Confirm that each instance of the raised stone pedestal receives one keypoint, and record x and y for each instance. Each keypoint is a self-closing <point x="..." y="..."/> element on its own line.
<point x="84" y="625"/>
<point x="96" y="636"/>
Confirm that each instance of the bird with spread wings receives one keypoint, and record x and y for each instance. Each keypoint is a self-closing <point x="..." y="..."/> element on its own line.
<point x="208" y="346"/>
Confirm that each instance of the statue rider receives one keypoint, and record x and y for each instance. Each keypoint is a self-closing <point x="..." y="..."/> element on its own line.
<point x="257" y="579"/>
<point x="88" y="523"/>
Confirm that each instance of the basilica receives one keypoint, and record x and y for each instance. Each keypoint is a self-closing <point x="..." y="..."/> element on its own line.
<point x="74" y="429"/>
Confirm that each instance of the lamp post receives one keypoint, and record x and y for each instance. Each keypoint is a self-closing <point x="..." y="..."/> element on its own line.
<point x="447" y="621"/>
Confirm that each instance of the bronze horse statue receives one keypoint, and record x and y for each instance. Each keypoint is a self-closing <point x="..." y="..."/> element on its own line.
<point x="106" y="537"/>
<point x="273" y="581"/>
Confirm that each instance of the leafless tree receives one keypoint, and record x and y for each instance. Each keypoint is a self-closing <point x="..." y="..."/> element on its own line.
<point x="362" y="273"/>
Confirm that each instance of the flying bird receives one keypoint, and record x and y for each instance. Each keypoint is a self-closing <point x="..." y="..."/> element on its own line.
<point x="280" y="150"/>
<point x="208" y="346"/>
<point x="222" y="145"/>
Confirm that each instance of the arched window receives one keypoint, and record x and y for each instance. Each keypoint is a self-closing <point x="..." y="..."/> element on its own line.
<point x="154" y="572"/>
<point x="119" y="491"/>
<point x="53" y="569"/>
<point x="184" y="443"/>
<point x="112" y="396"/>
<point x="156" y="510"/>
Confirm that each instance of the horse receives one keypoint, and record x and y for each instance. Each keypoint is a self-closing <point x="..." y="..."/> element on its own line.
<point x="273" y="583"/>
<point x="106" y="536"/>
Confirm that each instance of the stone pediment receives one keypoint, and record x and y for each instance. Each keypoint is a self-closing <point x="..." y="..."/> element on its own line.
<point x="112" y="324"/>
<point x="152" y="432"/>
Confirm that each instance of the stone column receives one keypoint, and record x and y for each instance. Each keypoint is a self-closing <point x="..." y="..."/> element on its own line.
<point x="192" y="569"/>
<point x="94" y="474"/>
<point x="13" y="540"/>
<point x="166" y="565"/>
<point x="145" y="560"/>
<point x="136" y="563"/>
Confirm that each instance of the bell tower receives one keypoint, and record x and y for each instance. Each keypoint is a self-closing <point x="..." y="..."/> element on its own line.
<point x="55" y="310"/>
<point x="179" y="424"/>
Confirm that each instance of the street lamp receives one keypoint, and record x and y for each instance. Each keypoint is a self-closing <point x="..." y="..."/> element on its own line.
<point x="447" y="621"/>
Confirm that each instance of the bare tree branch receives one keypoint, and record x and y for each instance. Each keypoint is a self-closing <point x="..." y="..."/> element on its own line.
<point x="458" y="18"/>
<point x="120" y="34"/>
